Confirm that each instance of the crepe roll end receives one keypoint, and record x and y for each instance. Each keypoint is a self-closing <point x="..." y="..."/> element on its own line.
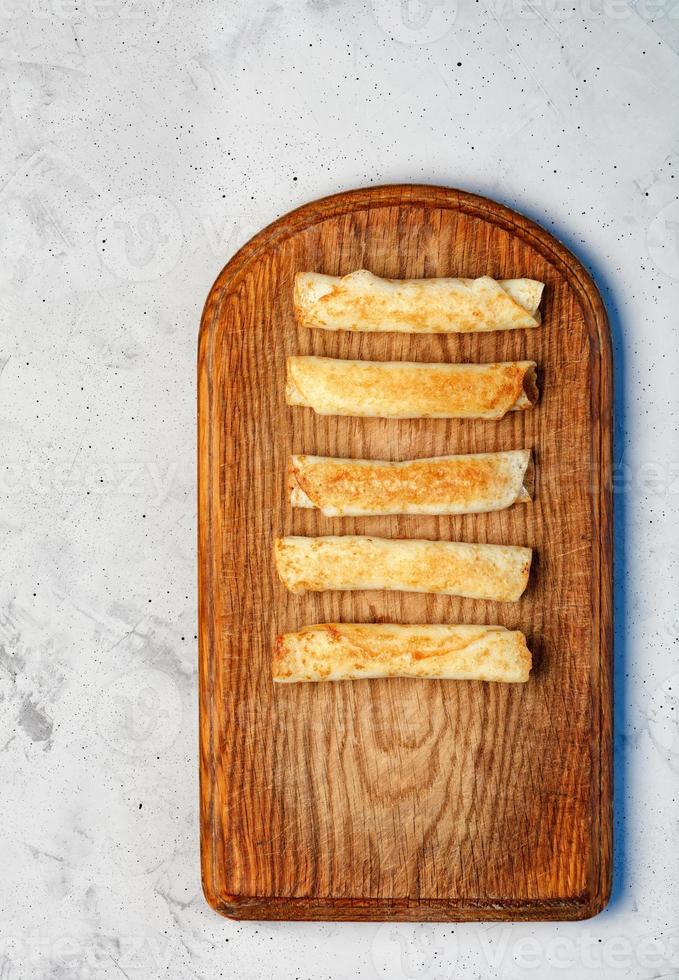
<point x="298" y="497"/>
<point x="538" y="290"/>
<point x="524" y="575"/>
<point x="293" y="396"/>
<point x="527" y="490"/>
<point x="293" y="557"/>
<point x="529" y="393"/>
<point x="309" y="289"/>
<point x="527" y="293"/>
<point x="279" y="556"/>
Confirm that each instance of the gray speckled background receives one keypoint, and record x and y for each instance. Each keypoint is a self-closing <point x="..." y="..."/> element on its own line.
<point x="142" y="144"/>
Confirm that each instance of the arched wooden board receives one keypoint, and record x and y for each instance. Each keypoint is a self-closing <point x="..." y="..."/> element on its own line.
<point x="403" y="799"/>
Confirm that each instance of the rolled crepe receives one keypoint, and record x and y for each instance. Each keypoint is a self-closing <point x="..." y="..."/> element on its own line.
<point x="351" y="651"/>
<point x="478" y="571"/>
<point x="471" y="484"/>
<point x="364" y="302"/>
<point x="407" y="390"/>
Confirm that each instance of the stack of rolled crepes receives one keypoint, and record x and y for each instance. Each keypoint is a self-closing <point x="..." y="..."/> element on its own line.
<point x="459" y="484"/>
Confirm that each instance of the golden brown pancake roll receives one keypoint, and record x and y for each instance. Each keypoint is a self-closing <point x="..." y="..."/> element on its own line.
<point x="477" y="571"/>
<point x="408" y="389"/>
<point x="364" y="302"/>
<point x="353" y="651"/>
<point x="469" y="484"/>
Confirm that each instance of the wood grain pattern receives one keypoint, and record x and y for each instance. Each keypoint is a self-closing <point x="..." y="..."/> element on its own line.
<point x="404" y="799"/>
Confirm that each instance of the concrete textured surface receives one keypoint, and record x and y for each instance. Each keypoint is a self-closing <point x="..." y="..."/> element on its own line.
<point x="142" y="144"/>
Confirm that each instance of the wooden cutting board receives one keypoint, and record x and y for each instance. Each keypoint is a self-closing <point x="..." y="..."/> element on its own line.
<point x="404" y="799"/>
